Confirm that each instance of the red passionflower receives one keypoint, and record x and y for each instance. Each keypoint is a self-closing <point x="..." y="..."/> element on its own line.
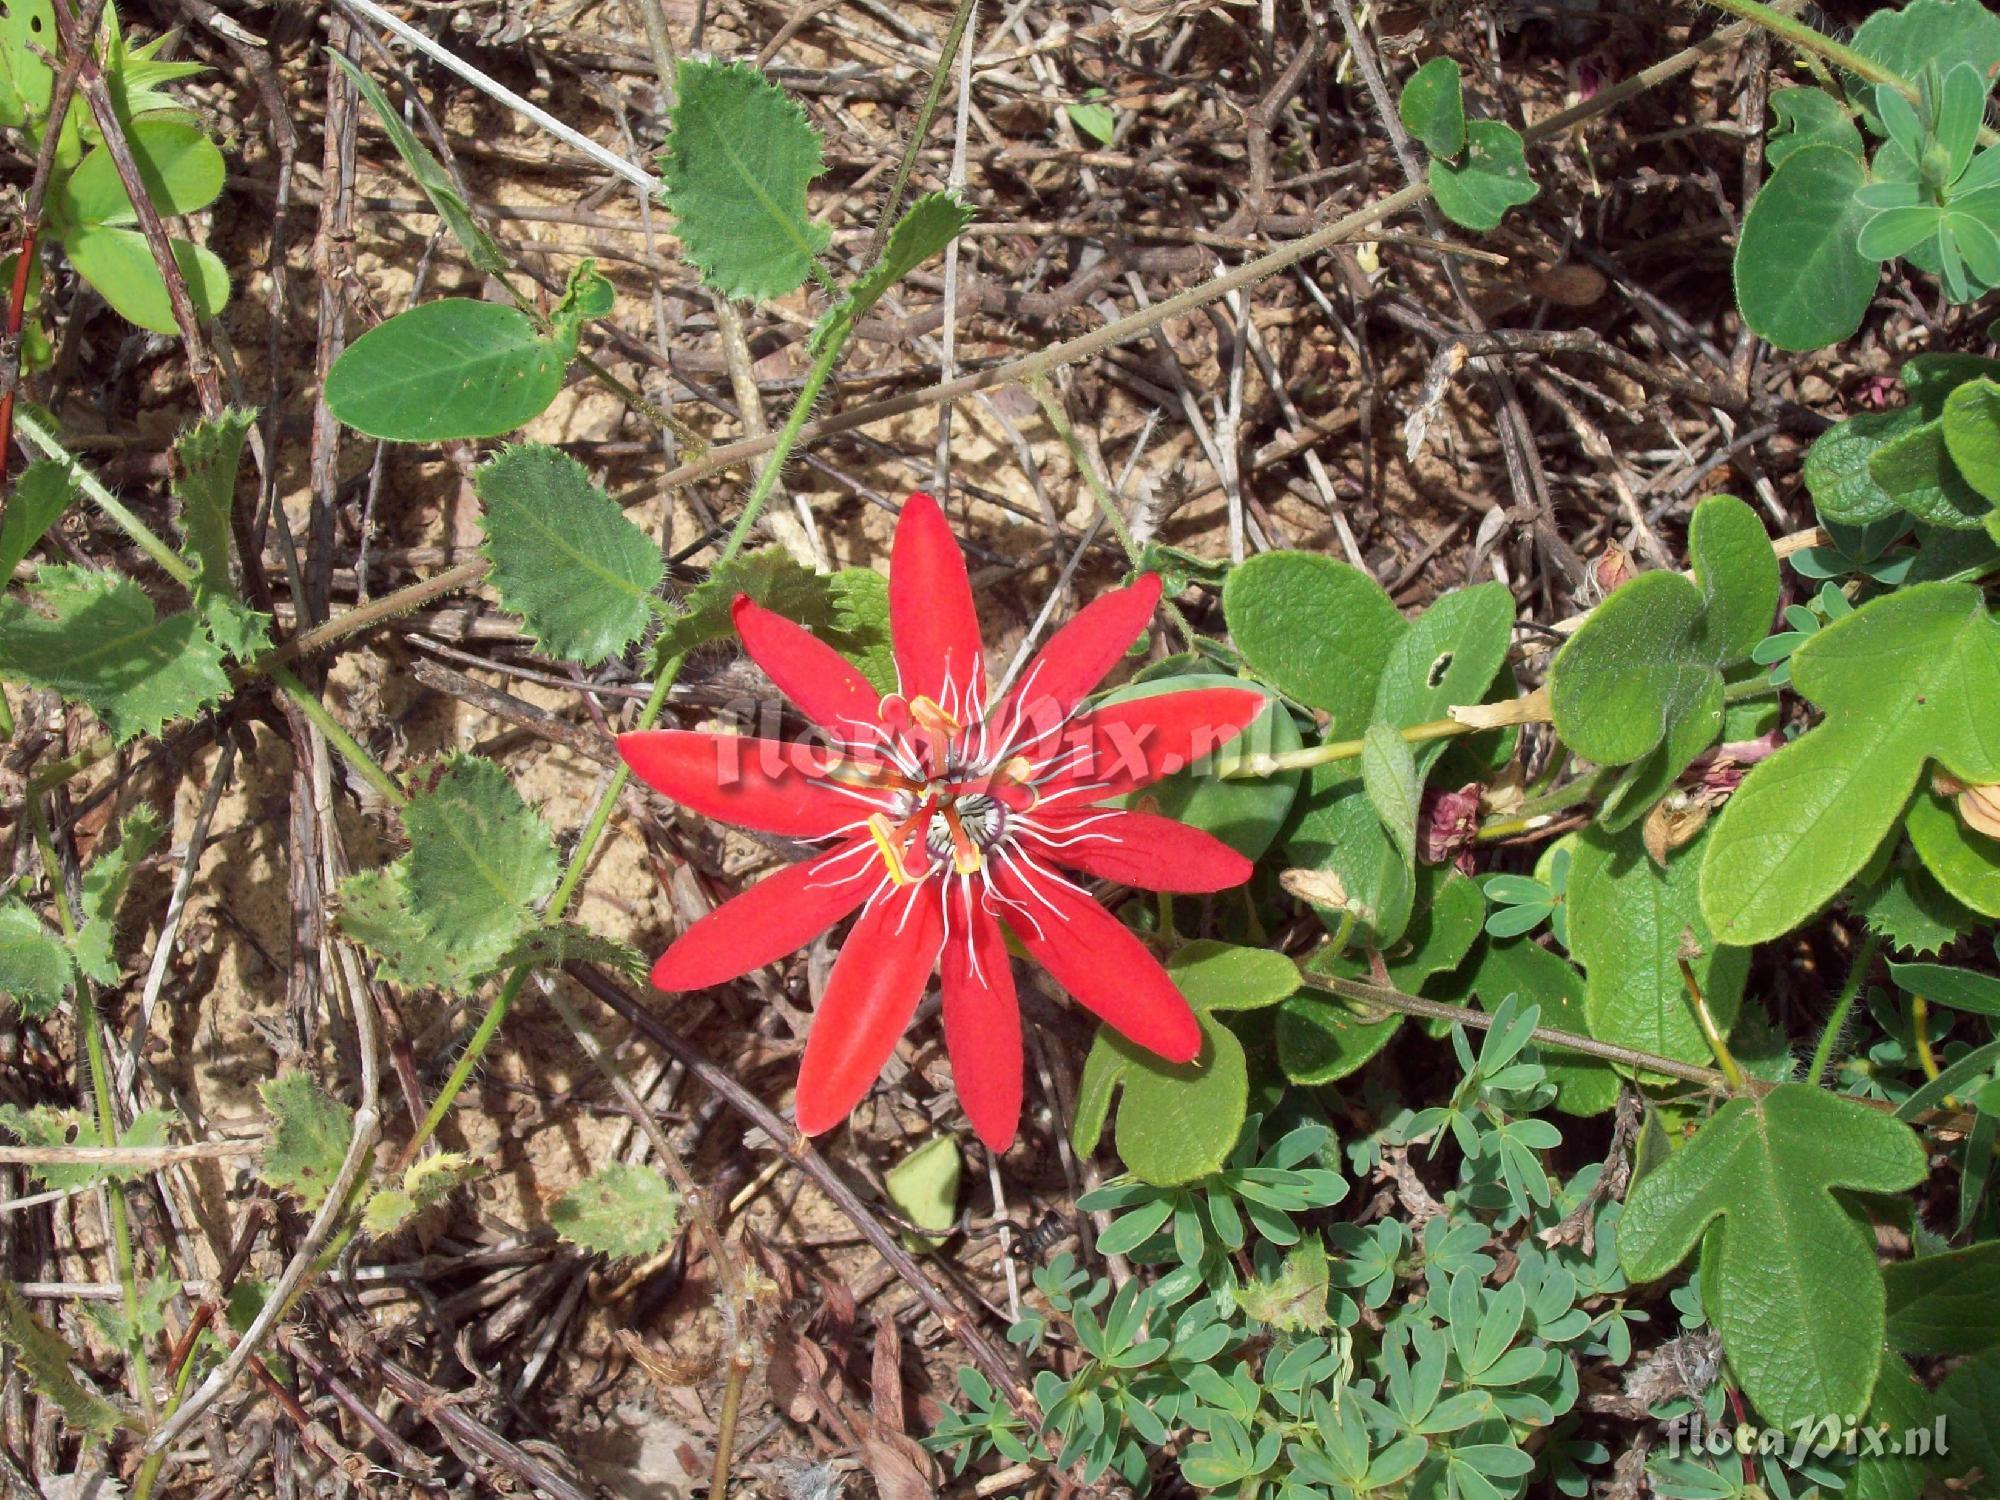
<point x="943" y="816"/>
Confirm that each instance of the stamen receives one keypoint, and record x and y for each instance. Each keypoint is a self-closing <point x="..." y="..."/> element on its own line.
<point x="894" y="841"/>
<point x="965" y="856"/>
<point x="933" y="718"/>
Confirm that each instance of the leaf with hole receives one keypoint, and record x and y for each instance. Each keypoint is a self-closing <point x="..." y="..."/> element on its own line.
<point x="93" y="637"/>
<point x="481" y="861"/>
<point x="565" y="558"/>
<point x="454" y="368"/>
<point x="1790" y="1251"/>
<point x="1801" y="279"/>
<point x="739" y="158"/>
<point x="1475" y="189"/>
<point x="1628" y="921"/>
<point x="1432" y="107"/>
<point x="619" y="1210"/>
<point x="1908" y="678"/>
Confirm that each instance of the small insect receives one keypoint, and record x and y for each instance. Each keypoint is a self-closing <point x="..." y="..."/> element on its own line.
<point x="1047" y="1232"/>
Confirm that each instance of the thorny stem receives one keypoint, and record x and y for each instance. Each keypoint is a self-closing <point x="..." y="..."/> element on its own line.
<point x="1711" y="1033"/>
<point x="1837" y="1018"/>
<point x="344" y="744"/>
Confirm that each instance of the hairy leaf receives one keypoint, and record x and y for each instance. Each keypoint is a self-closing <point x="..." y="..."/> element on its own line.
<point x="373" y="908"/>
<point x="40" y="496"/>
<point x="1643" y="676"/>
<point x="104" y="886"/>
<point x="619" y="1210"/>
<point x="1908" y="677"/>
<point x="1317" y="630"/>
<point x="34" y="961"/>
<point x="1809" y="117"/>
<point x="1801" y="279"/>
<point x="1790" y="1251"/>
<point x="427" y="1181"/>
<point x="206" y="462"/>
<point x="1915" y="469"/>
<point x="739" y="158"/>
<point x="454" y="368"/>
<point x="47" y="1126"/>
<point x="96" y="639"/>
<point x="1945" y="1304"/>
<point x="309" y="1135"/>
<point x="45" y="1360"/>
<point x="481" y="861"/>
<point x="926" y="228"/>
<point x="564" y="557"/>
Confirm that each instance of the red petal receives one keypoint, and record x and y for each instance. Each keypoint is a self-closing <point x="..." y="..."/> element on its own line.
<point x="1120" y="746"/>
<point x="931" y="619"/>
<point x="752" y="783"/>
<point x="776" y="916"/>
<point x="982" y="1020"/>
<point x="826" y="686"/>
<point x="870" y="996"/>
<point x="1077" y="657"/>
<point x="1098" y="960"/>
<point x="1142" y="849"/>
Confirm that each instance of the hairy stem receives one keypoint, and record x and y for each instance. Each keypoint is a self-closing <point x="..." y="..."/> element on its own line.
<point x="1837" y="1018"/>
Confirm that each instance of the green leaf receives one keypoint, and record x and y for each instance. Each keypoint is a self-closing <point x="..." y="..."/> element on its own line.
<point x="929" y="224"/>
<point x="104" y="885"/>
<point x="1925" y="31"/>
<point x="119" y="263"/>
<point x="565" y="559"/>
<point x="1177" y="1121"/>
<point x="34" y="961"/>
<point x="1491" y="177"/>
<point x="619" y="1210"/>
<point x="861" y="625"/>
<point x="179" y="165"/>
<point x="310" y="1132"/>
<point x="739" y="158"/>
<point x="1966" y="1401"/>
<point x="923" y="1186"/>
<point x="1432" y="107"/>
<point x="436" y="183"/>
<point x="428" y="1181"/>
<point x="1836" y="468"/>
<point x="1910" y="676"/>
<point x="1915" y="469"/>
<point x="1901" y="1406"/>
<point x="1337" y="833"/>
<point x="454" y="368"/>
<point x="481" y="861"/>
<point x="25" y="80"/>
<point x="1808" y="117"/>
<point x="206" y="462"/>
<point x="586" y="295"/>
<point x="1627" y="922"/>
<point x="1246" y="813"/>
<point x="1317" y="630"/>
<point x="1098" y="121"/>
<point x="1790" y="1250"/>
<point x="1644" y="672"/>
<point x="1801" y="280"/>
<point x="1945" y="1304"/>
<point x="45" y="1360"/>
<point x="1389" y="776"/>
<point x="373" y="908"/>
<point x="1972" y="435"/>
<point x="1966" y="864"/>
<point x="1961" y="989"/>
<point x="1519" y="966"/>
<point x="772" y="579"/>
<point x="94" y="638"/>
<point x="40" y="496"/>
<point x="45" y="1125"/>
<point x="1223" y="976"/>
<point x="1451" y="655"/>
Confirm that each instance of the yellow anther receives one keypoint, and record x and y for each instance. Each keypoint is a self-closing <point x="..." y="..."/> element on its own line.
<point x="930" y="716"/>
<point x="884" y="834"/>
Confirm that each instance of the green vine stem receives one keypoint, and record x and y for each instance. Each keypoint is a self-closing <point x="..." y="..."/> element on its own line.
<point x="1829" y="1038"/>
<point x="1711" y="1033"/>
